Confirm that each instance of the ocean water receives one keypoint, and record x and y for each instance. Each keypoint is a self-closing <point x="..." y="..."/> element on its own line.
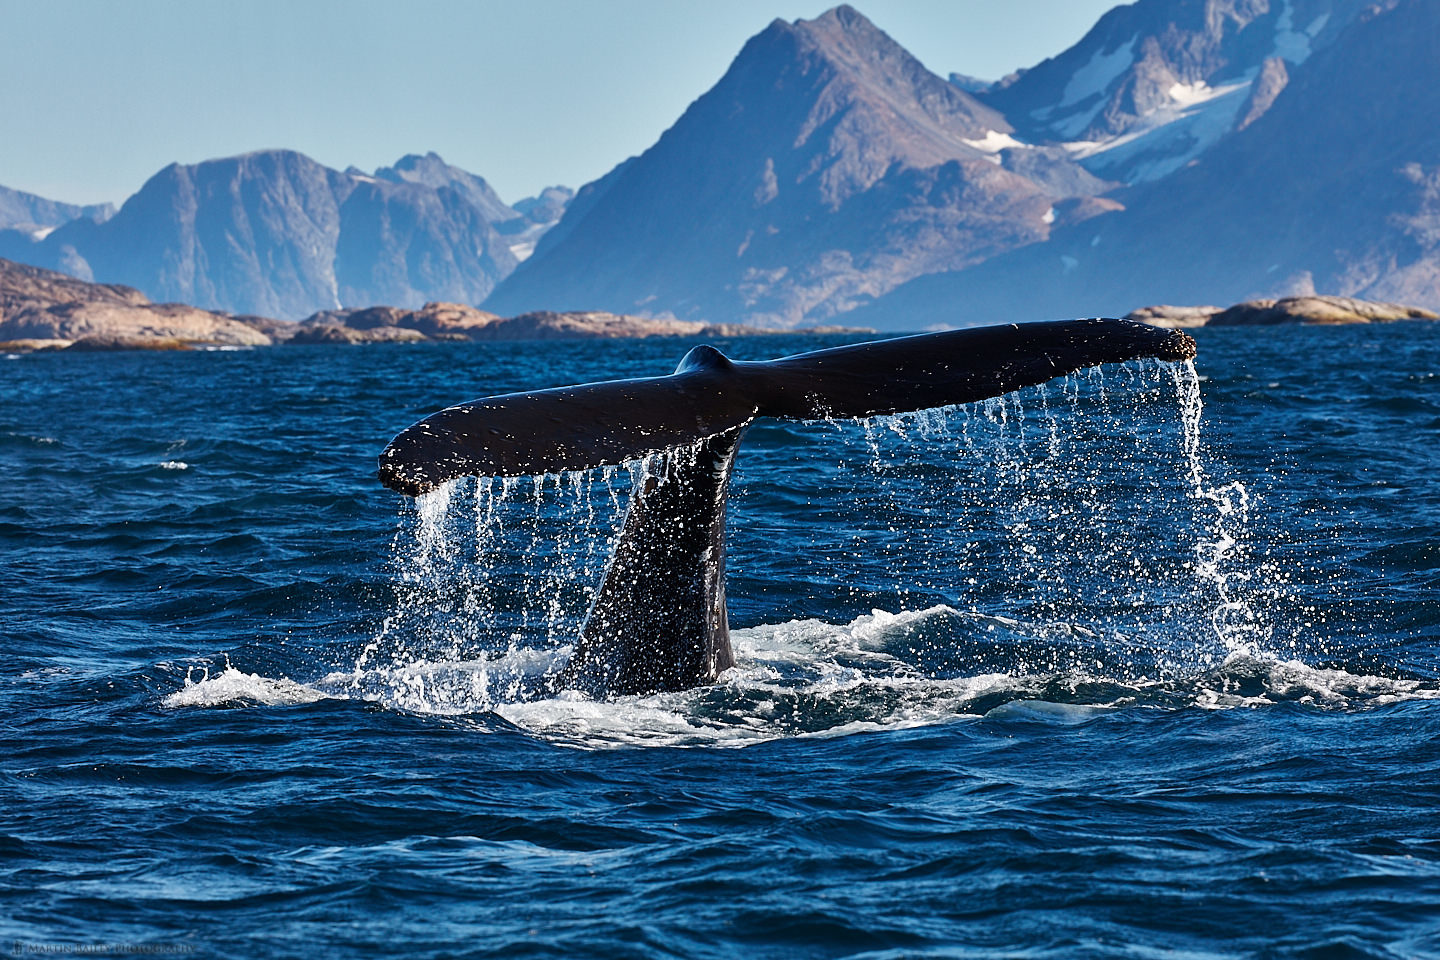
<point x="1142" y="663"/>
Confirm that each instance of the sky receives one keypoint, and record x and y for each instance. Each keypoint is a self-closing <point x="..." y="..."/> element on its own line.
<point x="96" y="96"/>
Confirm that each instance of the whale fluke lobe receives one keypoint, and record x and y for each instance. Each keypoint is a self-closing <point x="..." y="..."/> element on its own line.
<point x="958" y="366"/>
<point x="566" y="428"/>
<point x="658" y="621"/>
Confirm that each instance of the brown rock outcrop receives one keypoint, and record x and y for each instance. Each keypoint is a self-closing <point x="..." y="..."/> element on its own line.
<point x="434" y="321"/>
<point x="339" y="333"/>
<point x="41" y="309"/>
<point x="1317" y="309"/>
<point x="41" y="305"/>
<point x="572" y="325"/>
<point x="31" y="345"/>
<point x="101" y="343"/>
<point x="454" y="321"/>
<point x="1314" y="309"/>
<point x="1167" y="315"/>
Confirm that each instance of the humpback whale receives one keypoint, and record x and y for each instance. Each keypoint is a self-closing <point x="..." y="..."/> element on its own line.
<point x="658" y="621"/>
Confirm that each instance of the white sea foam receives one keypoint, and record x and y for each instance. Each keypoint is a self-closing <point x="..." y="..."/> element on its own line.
<point x="1245" y="680"/>
<point x="232" y="686"/>
<point x="808" y="678"/>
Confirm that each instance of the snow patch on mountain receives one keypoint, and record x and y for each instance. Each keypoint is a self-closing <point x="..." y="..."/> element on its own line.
<point x="1190" y="94"/>
<point x="1170" y="137"/>
<point x="994" y="141"/>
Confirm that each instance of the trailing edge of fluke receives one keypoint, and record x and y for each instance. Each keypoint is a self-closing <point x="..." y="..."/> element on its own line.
<point x="658" y="621"/>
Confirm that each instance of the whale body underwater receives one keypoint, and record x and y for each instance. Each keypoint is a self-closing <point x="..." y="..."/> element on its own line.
<point x="658" y="621"/>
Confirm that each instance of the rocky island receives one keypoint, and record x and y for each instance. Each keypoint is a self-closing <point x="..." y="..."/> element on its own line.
<point x="1312" y="309"/>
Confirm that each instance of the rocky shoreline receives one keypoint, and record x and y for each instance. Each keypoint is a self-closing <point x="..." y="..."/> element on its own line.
<point x="44" y="310"/>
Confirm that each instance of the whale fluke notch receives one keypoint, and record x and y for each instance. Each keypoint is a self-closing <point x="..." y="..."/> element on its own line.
<point x="658" y="621"/>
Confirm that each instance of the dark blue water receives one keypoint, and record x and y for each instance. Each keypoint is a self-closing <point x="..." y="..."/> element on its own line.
<point x="1049" y="677"/>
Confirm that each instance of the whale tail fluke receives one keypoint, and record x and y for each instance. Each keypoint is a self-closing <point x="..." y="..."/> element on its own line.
<point x="596" y="424"/>
<point x="658" y="619"/>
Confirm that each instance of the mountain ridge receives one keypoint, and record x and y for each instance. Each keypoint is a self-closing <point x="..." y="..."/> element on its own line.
<point x="827" y="165"/>
<point x="1307" y="199"/>
<point x="31" y="213"/>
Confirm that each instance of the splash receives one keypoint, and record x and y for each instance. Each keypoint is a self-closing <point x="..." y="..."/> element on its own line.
<point x="882" y="670"/>
<point x="1087" y="501"/>
<point x="232" y="687"/>
<point x="1042" y="505"/>
<point x="1221" y="559"/>
<point x="492" y="579"/>
<point x="1066" y="544"/>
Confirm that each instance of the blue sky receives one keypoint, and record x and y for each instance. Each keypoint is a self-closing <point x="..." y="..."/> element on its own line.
<point x="95" y="96"/>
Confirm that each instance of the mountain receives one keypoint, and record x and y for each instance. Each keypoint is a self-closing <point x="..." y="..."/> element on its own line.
<point x="1334" y="189"/>
<point x="275" y="233"/>
<point x="431" y="171"/>
<point x="826" y="167"/>
<point x="1157" y="82"/>
<point x="31" y="214"/>
<point x="409" y="243"/>
<point x="538" y="214"/>
<point x="547" y="207"/>
<point x="1182" y="151"/>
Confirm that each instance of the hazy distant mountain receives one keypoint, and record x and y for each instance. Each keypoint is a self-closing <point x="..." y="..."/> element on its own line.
<point x="547" y="207"/>
<point x="277" y="234"/>
<point x="27" y="212"/>
<point x="1336" y="189"/>
<point x="1157" y="82"/>
<point x="537" y="215"/>
<point x="407" y="244"/>
<point x="970" y="84"/>
<point x="826" y="166"/>
<point x="431" y="171"/>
